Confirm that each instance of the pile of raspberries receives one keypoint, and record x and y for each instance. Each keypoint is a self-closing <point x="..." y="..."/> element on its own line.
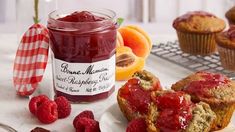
<point x="48" y="111"/>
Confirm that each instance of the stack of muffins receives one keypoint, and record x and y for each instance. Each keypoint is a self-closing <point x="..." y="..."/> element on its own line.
<point x="201" y="33"/>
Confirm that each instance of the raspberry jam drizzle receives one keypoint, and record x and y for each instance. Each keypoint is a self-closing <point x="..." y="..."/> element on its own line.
<point x="188" y="16"/>
<point x="208" y="81"/>
<point x="138" y="98"/>
<point x="175" y="111"/>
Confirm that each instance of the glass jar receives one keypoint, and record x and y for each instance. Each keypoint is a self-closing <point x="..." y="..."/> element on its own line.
<point x="83" y="56"/>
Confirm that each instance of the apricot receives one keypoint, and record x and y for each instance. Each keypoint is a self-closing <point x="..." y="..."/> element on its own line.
<point x="145" y="34"/>
<point x="127" y="63"/>
<point x="137" y="39"/>
<point x="119" y="41"/>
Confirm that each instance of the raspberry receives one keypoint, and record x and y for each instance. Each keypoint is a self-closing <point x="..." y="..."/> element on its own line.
<point x="137" y="125"/>
<point x="84" y="124"/>
<point x="87" y="113"/>
<point x="63" y="107"/>
<point x="35" y="102"/>
<point x="47" y="112"/>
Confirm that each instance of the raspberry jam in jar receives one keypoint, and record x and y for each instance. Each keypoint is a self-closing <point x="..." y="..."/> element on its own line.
<point x="83" y="54"/>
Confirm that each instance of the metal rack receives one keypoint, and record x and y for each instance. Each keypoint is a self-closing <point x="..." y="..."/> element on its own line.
<point x="171" y="52"/>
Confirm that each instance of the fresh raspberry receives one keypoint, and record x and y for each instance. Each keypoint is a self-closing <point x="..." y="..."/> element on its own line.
<point x="35" y="102"/>
<point x="63" y="107"/>
<point x="87" y="113"/>
<point x="84" y="124"/>
<point x="137" y="125"/>
<point x="47" y="112"/>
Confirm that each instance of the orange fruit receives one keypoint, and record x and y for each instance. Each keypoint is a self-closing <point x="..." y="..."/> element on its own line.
<point x="137" y="39"/>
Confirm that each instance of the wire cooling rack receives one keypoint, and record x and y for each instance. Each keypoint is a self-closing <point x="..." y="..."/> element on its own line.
<point x="171" y="52"/>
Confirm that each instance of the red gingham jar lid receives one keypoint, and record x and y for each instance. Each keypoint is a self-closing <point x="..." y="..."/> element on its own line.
<point x="31" y="60"/>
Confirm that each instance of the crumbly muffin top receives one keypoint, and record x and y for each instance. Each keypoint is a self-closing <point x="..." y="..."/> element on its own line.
<point x="137" y="90"/>
<point x="227" y="39"/>
<point x="230" y="14"/>
<point x="148" y="80"/>
<point x="203" y="118"/>
<point x="199" y="22"/>
<point x="208" y="87"/>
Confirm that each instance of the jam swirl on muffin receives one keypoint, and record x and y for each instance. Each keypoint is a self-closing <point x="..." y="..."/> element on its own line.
<point x="134" y="97"/>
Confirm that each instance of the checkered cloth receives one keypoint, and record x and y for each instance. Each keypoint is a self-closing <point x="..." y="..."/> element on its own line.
<point x="31" y="60"/>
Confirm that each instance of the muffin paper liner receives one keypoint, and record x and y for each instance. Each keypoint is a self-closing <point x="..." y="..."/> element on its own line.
<point x="223" y="113"/>
<point x="227" y="58"/>
<point x="197" y="43"/>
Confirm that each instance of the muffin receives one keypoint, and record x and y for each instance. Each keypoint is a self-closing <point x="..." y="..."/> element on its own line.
<point x="174" y="111"/>
<point x="214" y="89"/>
<point x="196" y="32"/>
<point x="230" y="15"/>
<point x="134" y="96"/>
<point x="226" y="48"/>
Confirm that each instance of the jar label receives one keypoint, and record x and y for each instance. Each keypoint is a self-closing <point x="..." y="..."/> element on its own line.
<point x="84" y="78"/>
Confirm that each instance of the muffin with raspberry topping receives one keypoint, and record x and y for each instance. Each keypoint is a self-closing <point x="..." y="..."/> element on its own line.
<point x="174" y="112"/>
<point x="196" y="32"/>
<point x="134" y="96"/>
<point x="226" y="48"/>
<point x="215" y="89"/>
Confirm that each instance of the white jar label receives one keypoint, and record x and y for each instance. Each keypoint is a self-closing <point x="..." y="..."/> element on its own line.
<point x="84" y="78"/>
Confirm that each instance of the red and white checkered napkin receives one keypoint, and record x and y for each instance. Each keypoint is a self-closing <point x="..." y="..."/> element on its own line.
<point x="31" y="60"/>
